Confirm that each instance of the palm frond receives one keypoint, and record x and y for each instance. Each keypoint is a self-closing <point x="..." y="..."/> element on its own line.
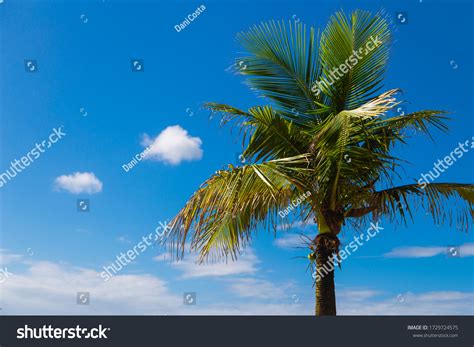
<point x="418" y="121"/>
<point x="273" y="136"/>
<point x="226" y="209"/>
<point x="270" y="136"/>
<point x="348" y="41"/>
<point x="347" y="150"/>
<point x="336" y="144"/>
<point x="228" y="113"/>
<point x="282" y="66"/>
<point x="446" y="202"/>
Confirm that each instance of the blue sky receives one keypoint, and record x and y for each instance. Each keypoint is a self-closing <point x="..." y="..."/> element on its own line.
<point x="83" y="52"/>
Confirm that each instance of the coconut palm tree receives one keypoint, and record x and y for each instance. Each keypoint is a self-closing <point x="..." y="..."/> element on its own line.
<point x="325" y="134"/>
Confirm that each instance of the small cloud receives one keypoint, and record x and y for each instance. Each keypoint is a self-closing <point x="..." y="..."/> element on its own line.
<point x="415" y="252"/>
<point x="173" y="146"/>
<point x="291" y="241"/>
<point x="465" y="250"/>
<point x="123" y="239"/>
<point x="79" y="182"/>
<point x="295" y="225"/>
<point x="163" y="257"/>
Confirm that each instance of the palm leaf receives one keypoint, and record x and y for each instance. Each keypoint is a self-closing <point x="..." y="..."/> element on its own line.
<point x="230" y="205"/>
<point x="282" y="66"/>
<point x="445" y="202"/>
<point x="348" y="41"/>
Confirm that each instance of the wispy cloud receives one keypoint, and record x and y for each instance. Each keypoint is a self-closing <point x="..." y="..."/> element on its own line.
<point x="260" y="289"/>
<point x="295" y="225"/>
<point x="51" y="288"/>
<point x="465" y="250"/>
<point x="79" y="182"/>
<point x="292" y="241"/>
<point x="368" y="302"/>
<point x="7" y="257"/>
<point x="173" y="146"/>
<point x="246" y="264"/>
<point x="123" y="239"/>
<point x="358" y="294"/>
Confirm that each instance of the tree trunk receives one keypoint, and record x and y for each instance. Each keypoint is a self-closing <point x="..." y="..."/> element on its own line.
<point x="325" y="290"/>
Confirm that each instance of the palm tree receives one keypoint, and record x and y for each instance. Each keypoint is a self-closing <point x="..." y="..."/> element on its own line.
<point x="324" y="135"/>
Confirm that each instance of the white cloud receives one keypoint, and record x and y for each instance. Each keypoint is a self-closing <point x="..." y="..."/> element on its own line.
<point x="292" y="241"/>
<point x="415" y="252"/>
<point x="465" y="250"/>
<point x="260" y="289"/>
<point x="173" y="145"/>
<point x="296" y="225"/>
<point x="163" y="257"/>
<point x="47" y="288"/>
<point x="7" y="257"/>
<point x="256" y="309"/>
<point x="295" y="240"/>
<point x="246" y="264"/>
<point x="123" y="239"/>
<point x="365" y="302"/>
<point x="79" y="182"/>
<point x="358" y="294"/>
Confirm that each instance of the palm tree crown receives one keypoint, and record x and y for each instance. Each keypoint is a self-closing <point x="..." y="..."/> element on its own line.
<point x="327" y="132"/>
